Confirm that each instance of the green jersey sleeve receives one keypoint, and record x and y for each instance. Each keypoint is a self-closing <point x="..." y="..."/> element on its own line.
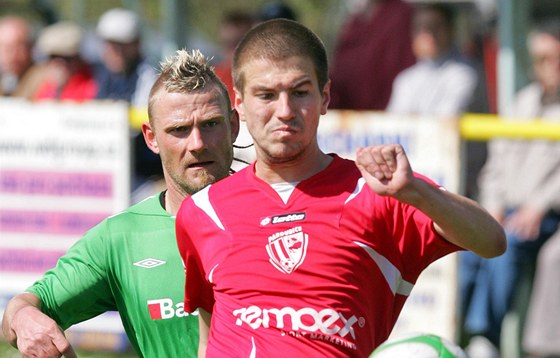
<point x="77" y="289"/>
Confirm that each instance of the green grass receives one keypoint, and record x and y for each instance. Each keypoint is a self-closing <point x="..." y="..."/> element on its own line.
<point x="7" y="351"/>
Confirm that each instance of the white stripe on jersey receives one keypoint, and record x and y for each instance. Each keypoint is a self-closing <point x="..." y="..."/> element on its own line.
<point x="202" y="200"/>
<point x="254" y="349"/>
<point x="390" y="272"/>
<point x="211" y="274"/>
<point x="357" y="190"/>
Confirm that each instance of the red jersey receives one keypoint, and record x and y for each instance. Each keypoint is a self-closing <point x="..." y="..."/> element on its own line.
<point x="325" y="274"/>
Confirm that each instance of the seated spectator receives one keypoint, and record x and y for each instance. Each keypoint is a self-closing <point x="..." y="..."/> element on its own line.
<point x="374" y="46"/>
<point x="542" y="331"/>
<point x="441" y="82"/>
<point x="68" y="76"/>
<point x="520" y="187"/>
<point x="19" y="77"/>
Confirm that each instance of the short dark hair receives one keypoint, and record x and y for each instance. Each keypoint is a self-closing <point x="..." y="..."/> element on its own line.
<point x="549" y="26"/>
<point x="280" y="39"/>
<point x="446" y="11"/>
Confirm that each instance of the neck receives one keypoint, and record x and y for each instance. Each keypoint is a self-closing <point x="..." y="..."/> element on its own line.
<point x="294" y="170"/>
<point x="173" y="201"/>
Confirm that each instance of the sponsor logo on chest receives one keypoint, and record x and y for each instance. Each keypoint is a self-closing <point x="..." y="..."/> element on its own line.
<point x="165" y="308"/>
<point x="326" y="324"/>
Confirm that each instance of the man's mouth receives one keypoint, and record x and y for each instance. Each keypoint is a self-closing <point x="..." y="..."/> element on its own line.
<point x="200" y="164"/>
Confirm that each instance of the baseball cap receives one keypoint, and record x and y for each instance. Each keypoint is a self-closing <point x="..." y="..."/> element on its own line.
<point x="60" y="39"/>
<point x="119" y="25"/>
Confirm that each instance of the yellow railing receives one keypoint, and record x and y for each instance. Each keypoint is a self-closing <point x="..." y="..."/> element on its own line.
<point x="472" y="126"/>
<point x="484" y="127"/>
<point x="137" y="116"/>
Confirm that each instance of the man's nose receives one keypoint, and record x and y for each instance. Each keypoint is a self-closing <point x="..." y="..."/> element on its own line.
<point x="284" y="110"/>
<point x="195" y="140"/>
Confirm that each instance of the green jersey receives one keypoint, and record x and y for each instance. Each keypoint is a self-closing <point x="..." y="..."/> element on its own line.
<point x="130" y="263"/>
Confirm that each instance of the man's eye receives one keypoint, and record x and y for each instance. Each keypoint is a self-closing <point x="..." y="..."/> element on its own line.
<point x="300" y="93"/>
<point x="180" y="129"/>
<point x="210" y="124"/>
<point x="265" y="96"/>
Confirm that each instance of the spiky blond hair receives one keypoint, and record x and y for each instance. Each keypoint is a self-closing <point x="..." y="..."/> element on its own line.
<point x="186" y="72"/>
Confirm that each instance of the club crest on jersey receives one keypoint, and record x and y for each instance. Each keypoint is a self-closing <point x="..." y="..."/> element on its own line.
<point x="287" y="249"/>
<point x="285" y="218"/>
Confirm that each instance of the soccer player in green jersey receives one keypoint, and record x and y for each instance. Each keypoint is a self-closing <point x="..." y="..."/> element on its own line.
<point x="130" y="262"/>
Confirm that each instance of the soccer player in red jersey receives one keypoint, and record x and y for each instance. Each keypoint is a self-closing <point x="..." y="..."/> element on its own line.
<point x="303" y="253"/>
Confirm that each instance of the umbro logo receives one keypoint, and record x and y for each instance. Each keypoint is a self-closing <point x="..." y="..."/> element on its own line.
<point x="150" y="263"/>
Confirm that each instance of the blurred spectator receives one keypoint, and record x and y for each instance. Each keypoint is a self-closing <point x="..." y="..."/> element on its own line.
<point x="19" y="77"/>
<point x="373" y="47"/>
<point x="276" y="10"/>
<point x="233" y="26"/>
<point x="126" y="74"/>
<point x="520" y="187"/>
<point x="441" y="82"/>
<point x="67" y="75"/>
<point x="542" y="331"/>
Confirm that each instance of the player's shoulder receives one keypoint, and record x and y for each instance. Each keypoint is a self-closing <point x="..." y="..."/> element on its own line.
<point x="149" y="207"/>
<point x="228" y="185"/>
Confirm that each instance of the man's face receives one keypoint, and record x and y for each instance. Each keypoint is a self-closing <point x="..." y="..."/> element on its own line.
<point x="119" y="56"/>
<point x="281" y="103"/>
<point x="15" y="50"/>
<point x="545" y="52"/>
<point x="430" y="37"/>
<point x="193" y="134"/>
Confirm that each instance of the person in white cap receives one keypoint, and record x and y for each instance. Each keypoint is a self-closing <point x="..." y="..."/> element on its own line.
<point x="125" y="74"/>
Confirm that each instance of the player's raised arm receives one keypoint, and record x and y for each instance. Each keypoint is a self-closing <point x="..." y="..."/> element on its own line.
<point x="458" y="219"/>
<point x="31" y="331"/>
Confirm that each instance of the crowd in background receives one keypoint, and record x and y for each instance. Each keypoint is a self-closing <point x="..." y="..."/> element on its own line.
<point x="389" y="56"/>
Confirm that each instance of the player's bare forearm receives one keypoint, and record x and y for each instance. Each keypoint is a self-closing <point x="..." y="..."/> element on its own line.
<point x="460" y="220"/>
<point x="14" y="306"/>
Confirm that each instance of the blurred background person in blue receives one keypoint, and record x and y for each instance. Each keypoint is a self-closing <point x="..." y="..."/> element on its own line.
<point x="276" y="10"/>
<point x="373" y="46"/>
<point x="126" y="74"/>
<point x="19" y="77"/>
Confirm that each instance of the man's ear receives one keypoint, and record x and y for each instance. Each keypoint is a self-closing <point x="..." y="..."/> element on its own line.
<point x="234" y="124"/>
<point x="326" y="97"/>
<point x="238" y="104"/>
<point x="150" y="137"/>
